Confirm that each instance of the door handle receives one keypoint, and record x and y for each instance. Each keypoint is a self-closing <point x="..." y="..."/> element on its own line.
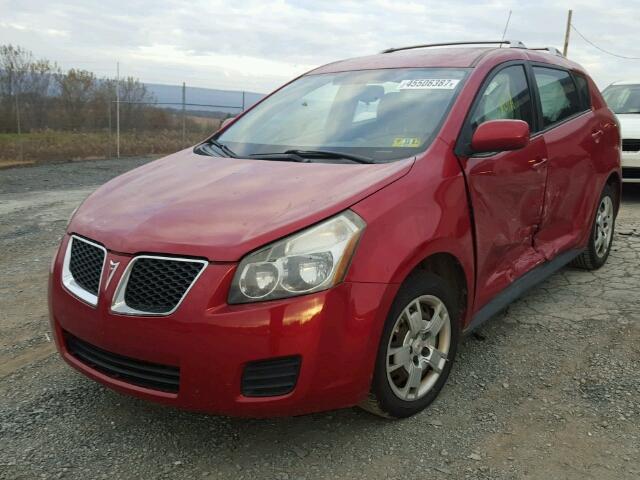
<point x="596" y="135"/>
<point x="538" y="162"/>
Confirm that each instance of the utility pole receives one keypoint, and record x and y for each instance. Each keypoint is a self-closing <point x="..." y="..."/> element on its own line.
<point x="567" y="33"/>
<point x="109" y="102"/>
<point x="118" y="110"/>
<point x="184" y="118"/>
<point x="19" y="128"/>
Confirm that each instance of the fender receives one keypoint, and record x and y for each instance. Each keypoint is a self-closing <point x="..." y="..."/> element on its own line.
<point x="418" y="216"/>
<point x="587" y="233"/>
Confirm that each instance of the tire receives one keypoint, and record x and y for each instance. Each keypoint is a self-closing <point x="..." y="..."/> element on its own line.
<point x="430" y="294"/>
<point x="596" y="254"/>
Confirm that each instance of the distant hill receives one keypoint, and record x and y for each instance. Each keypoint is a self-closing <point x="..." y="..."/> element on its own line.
<point x="208" y="100"/>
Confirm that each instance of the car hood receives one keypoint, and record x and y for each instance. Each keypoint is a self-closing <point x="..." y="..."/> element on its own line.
<point x="221" y="208"/>
<point x="629" y="125"/>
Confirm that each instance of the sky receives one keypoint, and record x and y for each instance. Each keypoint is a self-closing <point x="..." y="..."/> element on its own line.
<point x="258" y="45"/>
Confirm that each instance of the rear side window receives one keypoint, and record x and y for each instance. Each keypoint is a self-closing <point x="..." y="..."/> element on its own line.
<point x="583" y="91"/>
<point x="506" y="97"/>
<point x="558" y="94"/>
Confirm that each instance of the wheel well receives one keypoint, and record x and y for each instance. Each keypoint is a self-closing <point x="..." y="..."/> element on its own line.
<point x="614" y="182"/>
<point x="449" y="268"/>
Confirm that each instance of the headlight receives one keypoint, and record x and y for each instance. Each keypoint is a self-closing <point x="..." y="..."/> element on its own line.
<point x="309" y="261"/>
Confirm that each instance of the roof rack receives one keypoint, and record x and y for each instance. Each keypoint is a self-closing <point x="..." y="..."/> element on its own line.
<point x="510" y="43"/>
<point x="551" y="50"/>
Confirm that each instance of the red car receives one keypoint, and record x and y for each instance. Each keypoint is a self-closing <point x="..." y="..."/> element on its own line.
<point x="329" y="247"/>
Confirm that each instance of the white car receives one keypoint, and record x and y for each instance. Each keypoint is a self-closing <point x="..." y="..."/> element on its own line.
<point x="624" y="99"/>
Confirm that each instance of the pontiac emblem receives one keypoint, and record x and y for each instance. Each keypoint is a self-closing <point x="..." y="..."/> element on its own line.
<point x="113" y="266"/>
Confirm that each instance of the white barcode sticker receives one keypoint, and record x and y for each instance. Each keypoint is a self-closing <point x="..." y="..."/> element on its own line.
<point x="429" y="84"/>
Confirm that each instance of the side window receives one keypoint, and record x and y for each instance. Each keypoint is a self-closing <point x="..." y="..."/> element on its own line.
<point x="506" y="97"/>
<point x="583" y="90"/>
<point x="558" y="94"/>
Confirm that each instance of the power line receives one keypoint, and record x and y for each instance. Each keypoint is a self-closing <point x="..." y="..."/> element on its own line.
<point x="600" y="48"/>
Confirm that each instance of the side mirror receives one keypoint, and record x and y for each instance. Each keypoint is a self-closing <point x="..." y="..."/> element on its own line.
<point x="500" y="136"/>
<point x="226" y="122"/>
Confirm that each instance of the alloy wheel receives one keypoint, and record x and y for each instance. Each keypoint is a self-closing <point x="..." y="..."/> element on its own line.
<point x="418" y="347"/>
<point x="604" y="226"/>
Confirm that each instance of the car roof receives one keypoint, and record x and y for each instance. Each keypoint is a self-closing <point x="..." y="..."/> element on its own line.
<point x="627" y="82"/>
<point x="445" y="57"/>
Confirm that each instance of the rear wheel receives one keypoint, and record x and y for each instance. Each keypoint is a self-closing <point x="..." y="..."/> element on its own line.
<point x="417" y="348"/>
<point x="597" y="251"/>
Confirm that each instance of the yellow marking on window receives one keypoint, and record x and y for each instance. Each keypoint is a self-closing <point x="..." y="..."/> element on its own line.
<point x="406" y="142"/>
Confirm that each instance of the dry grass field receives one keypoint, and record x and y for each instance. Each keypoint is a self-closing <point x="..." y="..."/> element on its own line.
<point x="52" y="145"/>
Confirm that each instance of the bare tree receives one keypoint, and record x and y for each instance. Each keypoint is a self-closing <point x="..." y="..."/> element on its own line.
<point x="24" y="82"/>
<point x="76" y="90"/>
<point x="74" y="100"/>
<point x="134" y="95"/>
<point x="37" y="93"/>
<point x="14" y="66"/>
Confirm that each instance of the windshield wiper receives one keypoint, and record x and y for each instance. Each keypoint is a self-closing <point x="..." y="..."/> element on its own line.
<point x="220" y="146"/>
<point x="223" y="147"/>
<point x="301" y="156"/>
<point x="289" y="156"/>
<point x="331" y="154"/>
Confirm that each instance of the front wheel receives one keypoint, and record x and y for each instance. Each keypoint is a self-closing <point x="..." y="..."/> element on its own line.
<point x="417" y="348"/>
<point x="601" y="238"/>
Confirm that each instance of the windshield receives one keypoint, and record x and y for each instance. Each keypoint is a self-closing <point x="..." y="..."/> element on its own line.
<point x="623" y="98"/>
<point x="379" y="114"/>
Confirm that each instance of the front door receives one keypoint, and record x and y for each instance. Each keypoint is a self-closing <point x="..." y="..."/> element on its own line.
<point x="506" y="189"/>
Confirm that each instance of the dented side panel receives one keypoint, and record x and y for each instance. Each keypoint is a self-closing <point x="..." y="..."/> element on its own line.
<point x="507" y="193"/>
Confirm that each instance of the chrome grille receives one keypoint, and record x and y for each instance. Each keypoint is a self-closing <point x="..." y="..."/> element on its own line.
<point x="85" y="265"/>
<point x="155" y="285"/>
<point x="82" y="268"/>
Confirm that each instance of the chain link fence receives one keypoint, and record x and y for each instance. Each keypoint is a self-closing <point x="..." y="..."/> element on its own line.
<point x="167" y="126"/>
<point x="128" y="128"/>
<point x="50" y="115"/>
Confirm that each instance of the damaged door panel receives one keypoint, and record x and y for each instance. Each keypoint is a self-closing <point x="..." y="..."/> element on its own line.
<point x="506" y="189"/>
<point x="572" y="134"/>
<point x="507" y="192"/>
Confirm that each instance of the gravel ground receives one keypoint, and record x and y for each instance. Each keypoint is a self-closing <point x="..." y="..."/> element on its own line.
<point x="548" y="389"/>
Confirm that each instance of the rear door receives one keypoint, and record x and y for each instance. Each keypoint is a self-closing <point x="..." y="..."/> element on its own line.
<point x="573" y="137"/>
<point x="506" y="189"/>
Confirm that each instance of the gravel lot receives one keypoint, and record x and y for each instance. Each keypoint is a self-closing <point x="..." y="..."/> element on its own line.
<point x="549" y="389"/>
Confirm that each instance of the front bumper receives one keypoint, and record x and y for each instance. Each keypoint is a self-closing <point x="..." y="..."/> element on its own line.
<point x="335" y="332"/>
<point x="630" y="167"/>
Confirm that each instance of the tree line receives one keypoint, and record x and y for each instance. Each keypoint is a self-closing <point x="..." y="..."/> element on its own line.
<point x="36" y="95"/>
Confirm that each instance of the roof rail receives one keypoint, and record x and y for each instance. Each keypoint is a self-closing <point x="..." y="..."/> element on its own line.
<point x="510" y="43"/>
<point x="551" y="50"/>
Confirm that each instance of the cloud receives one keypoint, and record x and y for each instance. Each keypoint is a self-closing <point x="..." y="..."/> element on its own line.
<point x="51" y="32"/>
<point x="258" y="45"/>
